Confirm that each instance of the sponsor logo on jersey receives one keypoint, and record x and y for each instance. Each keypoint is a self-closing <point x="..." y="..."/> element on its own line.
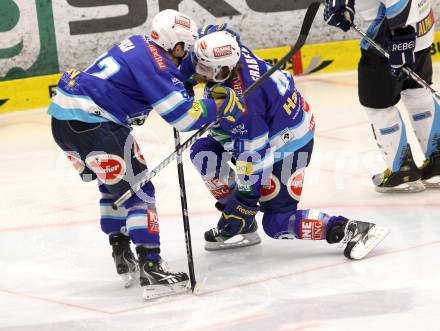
<point x="295" y="184"/>
<point x="237" y="86"/>
<point x="77" y="163"/>
<point x="270" y="190"/>
<point x="239" y="129"/>
<point x="312" y="123"/>
<point x="158" y="59"/>
<point x="311" y="229"/>
<point x="218" y="189"/>
<point x="183" y="21"/>
<point x="153" y="222"/>
<point x="154" y="35"/>
<point x="222" y="51"/>
<point x="425" y="25"/>
<point x="109" y="168"/>
<point x="244" y="168"/>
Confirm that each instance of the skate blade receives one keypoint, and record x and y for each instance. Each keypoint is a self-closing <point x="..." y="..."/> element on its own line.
<point x="151" y="292"/>
<point x="411" y="187"/>
<point x="433" y="182"/>
<point x="375" y="236"/>
<point x="129" y="278"/>
<point x="240" y="240"/>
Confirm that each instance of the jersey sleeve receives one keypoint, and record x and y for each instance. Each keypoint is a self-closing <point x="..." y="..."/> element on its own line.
<point x="400" y="13"/>
<point x="172" y="102"/>
<point x="253" y="154"/>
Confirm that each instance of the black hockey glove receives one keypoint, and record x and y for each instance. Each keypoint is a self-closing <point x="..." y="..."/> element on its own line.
<point x="401" y="48"/>
<point x="339" y="13"/>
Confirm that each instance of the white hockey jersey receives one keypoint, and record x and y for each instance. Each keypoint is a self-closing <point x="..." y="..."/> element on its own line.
<point x="383" y="16"/>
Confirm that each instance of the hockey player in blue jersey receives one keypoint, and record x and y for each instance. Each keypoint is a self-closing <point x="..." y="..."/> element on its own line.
<point x="92" y="113"/>
<point x="406" y="29"/>
<point x="271" y="145"/>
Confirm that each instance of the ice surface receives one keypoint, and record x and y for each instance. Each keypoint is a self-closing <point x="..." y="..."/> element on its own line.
<point x="56" y="271"/>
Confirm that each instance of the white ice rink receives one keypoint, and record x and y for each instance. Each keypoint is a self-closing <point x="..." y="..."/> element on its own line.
<point x="56" y="270"/>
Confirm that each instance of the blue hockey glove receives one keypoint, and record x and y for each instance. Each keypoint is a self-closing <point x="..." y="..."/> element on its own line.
<point x="339" y="13"/>
<point x="401" y="48"/>
<point x="238" y="215"/>
<point x="210" y="28"/>
<point x="232" y="108"/>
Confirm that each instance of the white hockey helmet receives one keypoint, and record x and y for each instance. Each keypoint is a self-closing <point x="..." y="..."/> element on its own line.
<point x="170" y="27"/>
<point x="215" y="51"/>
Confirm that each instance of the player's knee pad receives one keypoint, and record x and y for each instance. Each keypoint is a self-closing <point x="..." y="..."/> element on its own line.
<point x="279" y="225"/>
<point x="390" y="133"/>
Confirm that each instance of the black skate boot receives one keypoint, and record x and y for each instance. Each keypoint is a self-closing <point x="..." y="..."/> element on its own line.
<point x="217" y="239"/>
<point x="156" y="280"/>
<point x="431" y="169"/>
<point x="406" y="179"/>
<point x="126" y="263"/>
<point x="360" y="237"/>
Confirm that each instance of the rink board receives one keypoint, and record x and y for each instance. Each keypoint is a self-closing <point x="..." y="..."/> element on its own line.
<point x="35" y="92"/>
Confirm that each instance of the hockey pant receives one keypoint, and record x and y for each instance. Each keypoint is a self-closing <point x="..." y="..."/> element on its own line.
<point x="279" y="198"/>
<point x="108" y="152"/>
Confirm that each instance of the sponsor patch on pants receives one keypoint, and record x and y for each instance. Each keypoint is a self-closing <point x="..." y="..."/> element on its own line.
<point x="153" y="222"/>
<point x="311" y="229"/>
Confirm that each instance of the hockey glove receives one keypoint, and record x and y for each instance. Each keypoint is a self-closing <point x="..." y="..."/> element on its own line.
<point x="210" y="28"/>
<point x="339" y="13"/>
<point x="401" y="48"/>
<point x="232" y="108"/>
<point x="238" y="215"/>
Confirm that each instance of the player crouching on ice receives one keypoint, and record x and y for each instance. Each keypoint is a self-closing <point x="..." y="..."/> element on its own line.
<point x="272" y="143"/>
<point x="92" y="114"/>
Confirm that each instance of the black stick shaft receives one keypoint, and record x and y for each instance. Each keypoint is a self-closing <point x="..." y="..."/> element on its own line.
<point x="184" y="204"/>
<point x="405" y="69"/>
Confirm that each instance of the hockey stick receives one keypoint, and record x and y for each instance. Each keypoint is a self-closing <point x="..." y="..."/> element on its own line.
<point x="305" y="29"/>
<point x="183" y="202"/>
<point x="405" y="69"/>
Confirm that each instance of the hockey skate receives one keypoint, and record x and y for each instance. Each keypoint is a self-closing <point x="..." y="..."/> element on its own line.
<point x="406" y="179"/>
<point x="361" y="238"/>
<point x="431" y="170"/>
<point x="157" y="281"/>
<point x="218" y="239"/>
<point x="126" y="264"/>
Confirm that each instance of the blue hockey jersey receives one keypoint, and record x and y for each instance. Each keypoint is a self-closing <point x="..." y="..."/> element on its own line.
<point x="277" y="123"/>
<point x="125" y="84"/>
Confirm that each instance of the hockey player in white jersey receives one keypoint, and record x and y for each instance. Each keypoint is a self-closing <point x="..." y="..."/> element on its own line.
<point x="406" y="29"/>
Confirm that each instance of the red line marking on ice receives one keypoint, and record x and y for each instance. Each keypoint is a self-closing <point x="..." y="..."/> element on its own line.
<point x="238" y="286"/>
<point x="231" y="322"/>
<point x="34" y="297"/>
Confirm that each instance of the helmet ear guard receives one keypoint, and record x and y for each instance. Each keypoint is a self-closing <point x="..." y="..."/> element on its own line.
<point x="217" y="54"/>
<point x="170" y="27"/>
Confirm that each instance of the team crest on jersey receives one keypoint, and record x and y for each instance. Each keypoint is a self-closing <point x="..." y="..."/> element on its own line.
<point x="76" y="161"/>
<point x="295" y="184"/>
<point x="222" y="51"/>
<point x="271" y="190"/>
<point x="158" y="59"/>
<point x="109" y="168"/>
<point x="183" y="21"/>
